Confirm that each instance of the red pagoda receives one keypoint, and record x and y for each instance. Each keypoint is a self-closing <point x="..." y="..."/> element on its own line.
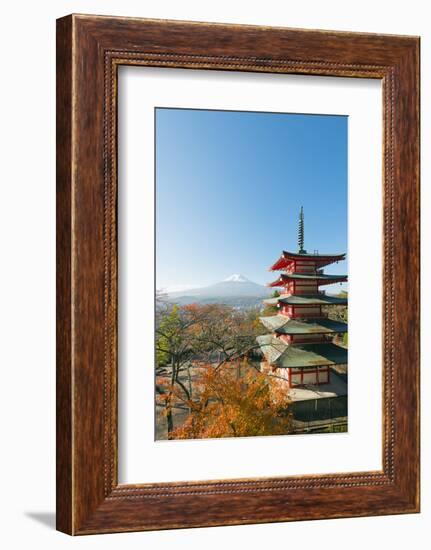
<point x="300" y="348"/>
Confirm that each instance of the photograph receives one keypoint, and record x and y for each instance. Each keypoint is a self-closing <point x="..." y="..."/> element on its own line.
<point x="251" y="291"/>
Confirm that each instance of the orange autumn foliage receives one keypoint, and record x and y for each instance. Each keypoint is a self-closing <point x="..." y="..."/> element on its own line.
<point x="236" y="406"/>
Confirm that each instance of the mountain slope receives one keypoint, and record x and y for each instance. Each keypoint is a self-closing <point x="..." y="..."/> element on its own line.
<point x="233" y="289"/>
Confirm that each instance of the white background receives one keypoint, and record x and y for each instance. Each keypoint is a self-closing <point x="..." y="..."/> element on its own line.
<point x="141" y="458"/>
<point x="27" y="276"/>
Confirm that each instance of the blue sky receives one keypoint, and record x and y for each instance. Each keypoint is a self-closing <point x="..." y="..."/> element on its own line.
<point x="229" y="187"/>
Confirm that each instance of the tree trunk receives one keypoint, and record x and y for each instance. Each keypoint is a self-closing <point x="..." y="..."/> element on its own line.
<point x="190" y="385"/>
<point x="169" y="415"/>
<point x="169" y="421"/>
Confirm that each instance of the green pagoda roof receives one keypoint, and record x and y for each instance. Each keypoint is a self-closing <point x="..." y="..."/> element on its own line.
<point x="310" y="300"/>
<point x="284" y="325"/>
<point x="283" y="355"/>
<point x="271" y="347"/>
<point x="274" y="322"/>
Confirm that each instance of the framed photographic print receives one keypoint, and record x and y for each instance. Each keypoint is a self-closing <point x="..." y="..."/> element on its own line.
<point x="237" y="274"/>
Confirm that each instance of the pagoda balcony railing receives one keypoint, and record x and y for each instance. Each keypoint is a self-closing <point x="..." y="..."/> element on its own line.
<point x="309" y="292"/>
<point x="322" y="315"/>
<point x="302" y="293"/>
<point x="324" y="338"/>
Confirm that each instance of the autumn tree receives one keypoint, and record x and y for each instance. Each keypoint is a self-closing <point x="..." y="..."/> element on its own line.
<point x="188" y="337"/>
<point x="227" y="336"/>
<point x="252" y="405"/>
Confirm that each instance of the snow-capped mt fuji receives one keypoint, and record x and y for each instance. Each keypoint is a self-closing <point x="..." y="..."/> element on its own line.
<point x="236" y="278"/>
<point x="234" y="289"/>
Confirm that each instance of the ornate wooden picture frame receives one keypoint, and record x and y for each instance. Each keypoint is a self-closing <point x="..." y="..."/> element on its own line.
<point x="89" y="51"/>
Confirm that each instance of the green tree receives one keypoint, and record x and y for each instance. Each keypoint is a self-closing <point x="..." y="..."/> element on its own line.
<point x="174" y="349"/>
<point x="271" y="310"/>
<point x="168" y="336"/>
<point x="339" y="313"/>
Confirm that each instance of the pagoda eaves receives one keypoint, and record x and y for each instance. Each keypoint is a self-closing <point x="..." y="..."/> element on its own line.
<point x="303" y="300"/>
<point x="318" y="278"/>
<point x="288" y="259"/>
<point x="284" y="325"/>
<point x="301" y="356"/>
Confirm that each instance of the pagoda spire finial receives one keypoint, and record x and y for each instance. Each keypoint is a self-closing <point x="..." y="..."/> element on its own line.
<point x="301" y="232"/>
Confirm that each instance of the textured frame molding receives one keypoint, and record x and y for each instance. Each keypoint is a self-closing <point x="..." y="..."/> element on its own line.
<point x="90" y="49"/>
